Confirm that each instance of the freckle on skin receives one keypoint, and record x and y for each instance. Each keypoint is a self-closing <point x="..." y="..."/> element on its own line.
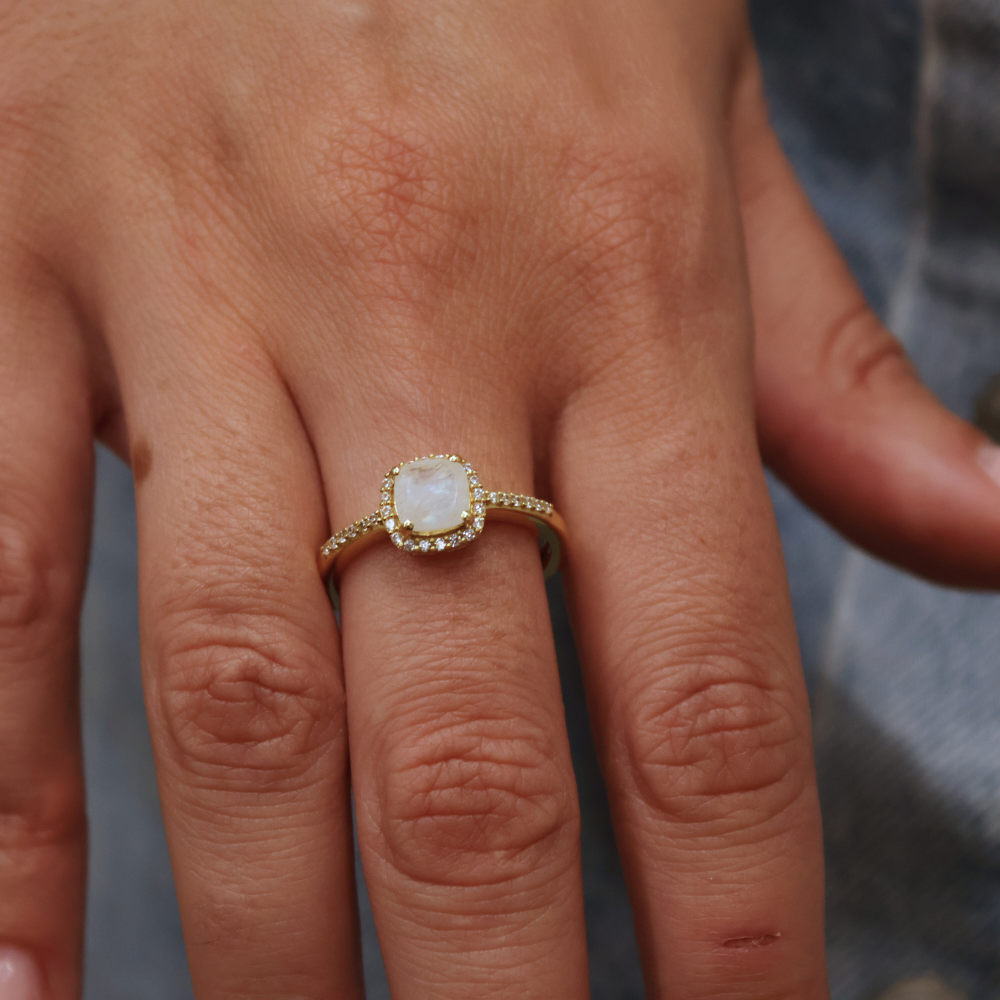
<point x="141" y="458"/>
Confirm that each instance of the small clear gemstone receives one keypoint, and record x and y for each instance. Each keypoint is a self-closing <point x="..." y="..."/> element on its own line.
<point x="478" y="523"/>
<point x="425" y="546"/>
<point x="387" y="511"/>
<point x="397" y="538"/>
<point x="468" y="467"/>
<point x="409" y="545"/>
<point x="468" y="534"/>
<point x="390" y="525"/>
<point x="351" y="532"/>
<point x="440" y="545"/>
<point x="493" y="498"/>
<point x="478" y="494"/>
<point x="478" y="508"/>
<point x="473" y="480"/>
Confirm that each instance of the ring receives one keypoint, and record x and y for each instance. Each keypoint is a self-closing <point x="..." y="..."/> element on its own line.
<point x="437" y="504"/>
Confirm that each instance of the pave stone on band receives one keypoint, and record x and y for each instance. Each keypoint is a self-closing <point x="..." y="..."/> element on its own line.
<point x="435" y="504"/>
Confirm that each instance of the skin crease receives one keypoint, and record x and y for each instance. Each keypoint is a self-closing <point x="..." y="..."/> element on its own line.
<point x="268" y="251"/>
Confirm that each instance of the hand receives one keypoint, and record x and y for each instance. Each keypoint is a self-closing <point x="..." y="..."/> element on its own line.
<point x="266" y="252"/>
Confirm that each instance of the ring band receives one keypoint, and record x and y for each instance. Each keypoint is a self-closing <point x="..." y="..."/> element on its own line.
<point x="436" y="504"/>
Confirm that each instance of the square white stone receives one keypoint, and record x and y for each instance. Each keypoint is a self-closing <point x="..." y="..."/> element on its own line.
<point x="432" y="493"/>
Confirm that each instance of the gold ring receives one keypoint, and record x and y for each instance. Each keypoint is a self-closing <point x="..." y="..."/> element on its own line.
<point x="437" y="504"/>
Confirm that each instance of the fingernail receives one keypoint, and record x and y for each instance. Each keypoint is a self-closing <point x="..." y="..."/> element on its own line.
<point x="19" y="976"/>
<point x="989" y="459"/>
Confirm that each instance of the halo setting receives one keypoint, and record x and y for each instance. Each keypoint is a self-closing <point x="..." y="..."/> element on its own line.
<point x="432" y="504"/>
<point x="435" y="504"/>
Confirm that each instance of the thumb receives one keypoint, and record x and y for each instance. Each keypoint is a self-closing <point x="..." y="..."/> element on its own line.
<point x="842" y="415"/>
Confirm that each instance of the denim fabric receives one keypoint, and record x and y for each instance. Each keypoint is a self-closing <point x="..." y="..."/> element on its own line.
<point x="908" y="709"/>
<point x="903" y="675"/>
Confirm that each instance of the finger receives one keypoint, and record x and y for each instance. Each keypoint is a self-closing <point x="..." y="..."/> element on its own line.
<point x="843" y="417"/>
<point x="688" y="646"/>
<point x="467" y="816"/>
<point x="243" y="686"/>
<point x="46" y="470"/>
<point x="697" y="699"/>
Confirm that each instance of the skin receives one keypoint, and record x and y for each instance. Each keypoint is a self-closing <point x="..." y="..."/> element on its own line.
<point x="265" y="252"/>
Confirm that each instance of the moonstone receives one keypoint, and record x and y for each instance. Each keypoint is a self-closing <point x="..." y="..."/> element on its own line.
<point x="432" y="493"/>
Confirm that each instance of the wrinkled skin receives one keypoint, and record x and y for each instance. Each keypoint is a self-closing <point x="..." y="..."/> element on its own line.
<point x="267" y="251"/>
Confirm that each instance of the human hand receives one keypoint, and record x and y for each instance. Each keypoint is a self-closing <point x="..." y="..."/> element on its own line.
<point x="266" y="253"/>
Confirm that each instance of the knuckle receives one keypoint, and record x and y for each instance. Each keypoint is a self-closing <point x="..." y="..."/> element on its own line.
<point x="49" y="813"/>
<point x="636" y="212"/>
<point x="388" y="199"/>
<point x="392" y="177"/>
<point x="221" y="915"/>
<point x="23" y="121"/>
<point x="711" y="741"/>
<point x="396" y="201"/>
<point x="473" y="801"/>
<point x="637" y="247"/>
<point x="247" y="712"/>
<point x="859" y="351"/>
<point x="26" y="589"/>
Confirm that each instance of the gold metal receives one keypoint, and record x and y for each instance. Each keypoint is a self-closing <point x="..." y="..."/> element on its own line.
<point x="514" y="508"/>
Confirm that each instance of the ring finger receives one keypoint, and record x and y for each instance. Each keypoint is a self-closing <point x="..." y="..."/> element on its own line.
<point x="466" y="803"/>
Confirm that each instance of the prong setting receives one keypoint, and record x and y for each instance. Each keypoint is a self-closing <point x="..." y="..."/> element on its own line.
<point x="426" y="542"/>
